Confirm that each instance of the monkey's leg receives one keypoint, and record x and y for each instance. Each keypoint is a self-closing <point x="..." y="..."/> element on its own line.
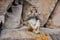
<point x="30" y="28"/>
<point x="37" y="27"/>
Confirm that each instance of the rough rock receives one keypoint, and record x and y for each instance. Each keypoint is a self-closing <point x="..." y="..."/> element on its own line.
<point x="51" y="31"/>
<point x="2" y="18"/>
<point x="54" y="21"/>
<point x="3" y="6"/>
<point x="16" y="34"/>
<point x="54" y="33"/>
<point x="14" y="18"/>
<point x="44" y="7"/>
<point x="55" y="36"/>
<point x="26" y="9"/>
<point x="20" y="34"/>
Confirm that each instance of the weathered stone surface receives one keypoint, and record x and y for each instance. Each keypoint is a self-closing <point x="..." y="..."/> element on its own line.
<point x="51" y="31"/>
<point x="3" y="6"/>
<point x="54" y="33"/>
<point x="16" y="34"/>
<point x="2" y="18"/>
<point x="55" y="36"/>
<point x="20" y="34"/>
<point x="26" y="9"/>
<point x="54" y="21"/>
<point x="44" y="7"/>
<point x="14" y="18"/>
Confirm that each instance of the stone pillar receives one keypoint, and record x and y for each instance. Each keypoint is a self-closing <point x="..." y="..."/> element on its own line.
<point x="14" y="18"/>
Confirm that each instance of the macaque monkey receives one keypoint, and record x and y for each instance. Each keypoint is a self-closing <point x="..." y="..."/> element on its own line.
<point x="33" y="15"/>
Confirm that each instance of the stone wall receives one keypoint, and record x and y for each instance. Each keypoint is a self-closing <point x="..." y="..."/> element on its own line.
<point x="54" y="21"/>
<point x="14" y="12"/>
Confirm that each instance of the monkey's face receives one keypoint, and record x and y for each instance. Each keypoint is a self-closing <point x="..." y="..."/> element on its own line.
<point x="33" y="10"/>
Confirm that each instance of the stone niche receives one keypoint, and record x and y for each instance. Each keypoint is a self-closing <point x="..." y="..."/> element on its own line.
<point x="44" y="7"/>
